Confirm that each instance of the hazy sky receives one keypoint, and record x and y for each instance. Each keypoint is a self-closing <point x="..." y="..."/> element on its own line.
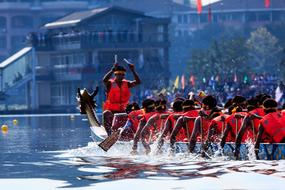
<point x="205" y="2"/>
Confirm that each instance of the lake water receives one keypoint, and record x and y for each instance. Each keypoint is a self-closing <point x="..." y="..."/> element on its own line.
<point x="56" y="152"/>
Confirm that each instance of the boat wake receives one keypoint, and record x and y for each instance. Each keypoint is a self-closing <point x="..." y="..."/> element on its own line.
<point x="119" y="164"/>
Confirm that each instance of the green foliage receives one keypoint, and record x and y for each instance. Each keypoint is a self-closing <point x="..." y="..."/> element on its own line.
<point x="223" y="58"/>
<point x="264" y="50"/>
<point x="229" y="53"/>
<point x="278" y="30"/>
<point x="200" y="63"/>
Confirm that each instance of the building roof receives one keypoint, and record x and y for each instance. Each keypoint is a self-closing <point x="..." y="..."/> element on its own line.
<point x="77" y="17"/>
<point x="236" y="5"/>
<point x="14" y="57"/>
<point x="153" y="6"/>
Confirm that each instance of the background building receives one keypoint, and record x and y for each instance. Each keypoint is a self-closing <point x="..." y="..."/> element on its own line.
<point x="23" y="20"/>
<point x="193" y="31"/>
<point x="77" y="50"/>
<point x="19" y="17"/>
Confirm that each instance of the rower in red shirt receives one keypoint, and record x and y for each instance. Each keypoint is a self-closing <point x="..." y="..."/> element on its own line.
<point x="201" y="126"/>
<point x="185" y="123"/>
<point x="272" y="124"/>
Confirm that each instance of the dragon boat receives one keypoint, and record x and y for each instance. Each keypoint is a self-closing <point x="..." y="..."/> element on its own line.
<point x="87" y="106"/>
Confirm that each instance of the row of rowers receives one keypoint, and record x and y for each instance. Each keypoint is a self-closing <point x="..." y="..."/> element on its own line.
<point x="256" y="120"/>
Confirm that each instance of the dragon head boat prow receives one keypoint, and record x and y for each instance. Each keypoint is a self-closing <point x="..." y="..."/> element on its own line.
<point x="87" y="106"/>
<point x="84" y="99"/>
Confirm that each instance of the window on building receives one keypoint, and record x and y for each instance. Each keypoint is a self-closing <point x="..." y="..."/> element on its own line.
<point x="160" y="33"/>
<point x="55" y="60"/>
<point x="251" y="17"/>
<point x="282" y="16"/>
<point x="214" y="18"/>
<point x="160" y="29"/>
<point x="237" y="17"/>
<point x="204" y="18"/>
<point x="222" y="17"/>
<point x="3" y="24"/>
<point x="179" y="33"/>
<point x="59" y="63"/>
<point x="3" y="42"/>
<point x="60" y="93"/>
<point x="263" y="16"/>
<point x="185" y="19"/>
<point x="22" y="22"/>
<point x="57" y="91"/>
<point x="276" y="16"/>
<point x="175" y="19"/>
<point x="78" y="59"/>
<point x="193" y="19"/>
<point x="68" y="60"/>
<point x="180" y="19"/>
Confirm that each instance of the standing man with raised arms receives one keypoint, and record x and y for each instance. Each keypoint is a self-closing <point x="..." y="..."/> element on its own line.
<point x="117" y="92"/>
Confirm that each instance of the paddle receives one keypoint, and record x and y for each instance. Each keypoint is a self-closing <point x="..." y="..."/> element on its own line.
<point x="110" y="140"/>
<point x="129" y="63"/>
<point x="107" y="143"/>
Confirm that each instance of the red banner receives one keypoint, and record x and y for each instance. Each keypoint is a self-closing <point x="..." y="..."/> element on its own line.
<point x="267" y="3"/>
<point x="192" y="80"/>
<point x="199" y="6"/>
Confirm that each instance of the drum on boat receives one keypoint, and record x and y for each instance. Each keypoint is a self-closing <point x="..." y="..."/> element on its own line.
<point x="119" y="121"/>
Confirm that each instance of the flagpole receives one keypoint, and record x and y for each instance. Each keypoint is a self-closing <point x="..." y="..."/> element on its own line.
<point x="210" y="12"/>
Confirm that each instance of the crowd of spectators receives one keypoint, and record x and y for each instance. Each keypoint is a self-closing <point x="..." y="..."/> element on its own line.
<point x="106" y="36"/>
<point x="222" y="89"/>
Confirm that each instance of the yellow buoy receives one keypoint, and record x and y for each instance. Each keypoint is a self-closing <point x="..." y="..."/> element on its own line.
<point x="15" y="122"/>
<point x="4" y="128"/>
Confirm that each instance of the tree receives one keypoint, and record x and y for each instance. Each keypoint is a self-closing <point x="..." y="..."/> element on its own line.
<point x="224" y="58"/>
<point x="282" y="65"/>
<point x="234" y="57"/>
<point x="264" y="51"/>
<point x="200" y="65"/>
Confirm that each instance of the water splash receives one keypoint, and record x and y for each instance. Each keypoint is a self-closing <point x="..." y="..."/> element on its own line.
<point x="119" y="164"/>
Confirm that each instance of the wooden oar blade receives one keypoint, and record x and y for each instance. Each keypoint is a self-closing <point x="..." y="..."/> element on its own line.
<point x="110" y="141"/>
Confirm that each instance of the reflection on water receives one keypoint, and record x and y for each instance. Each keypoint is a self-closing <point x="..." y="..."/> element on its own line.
<point x="59" y="148"/>
<point x="124" y="168"/>
<point x="122" y="165"/>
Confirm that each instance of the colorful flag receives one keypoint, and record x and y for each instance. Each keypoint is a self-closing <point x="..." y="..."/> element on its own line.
<point x="278" y="94"/>
<point x="202" y="94"/>
<point x="267" y="3"/>
<point x="217" y="78"/>
<point x="210" y="14"/>
<point x="183" y="82"/>
<point x="235" y="78"/>
<point x="245" y="79"/>
<point x="176" y="82"/>
<point x="199" y="6"/>
<point x="192" y="80"/>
